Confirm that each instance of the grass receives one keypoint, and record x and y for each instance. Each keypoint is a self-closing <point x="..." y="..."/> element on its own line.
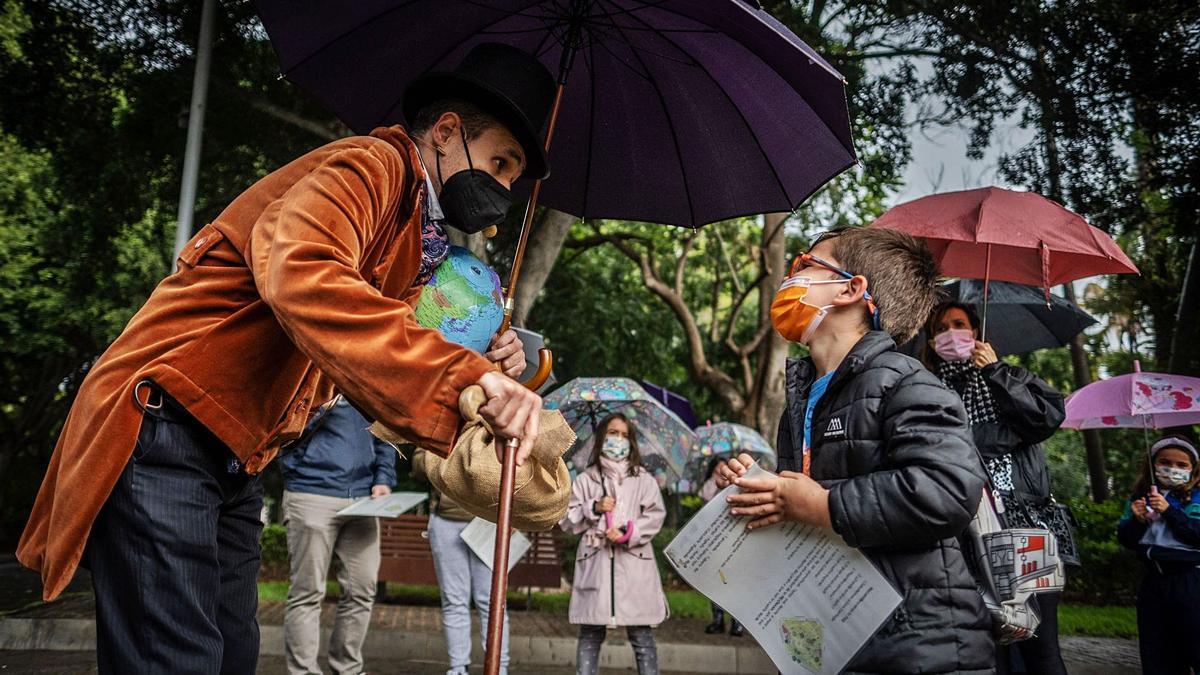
<point x="276" y="591"/>
<point x="1090" y="621"/>
<point x="1081" y="620"/>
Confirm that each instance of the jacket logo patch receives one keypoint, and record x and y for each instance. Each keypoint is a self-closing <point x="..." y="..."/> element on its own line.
<point x="836" y="428"/>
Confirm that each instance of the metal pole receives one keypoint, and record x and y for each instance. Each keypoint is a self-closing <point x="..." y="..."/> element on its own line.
<point x="987" y="280"/>
<point x="191" y="156"/>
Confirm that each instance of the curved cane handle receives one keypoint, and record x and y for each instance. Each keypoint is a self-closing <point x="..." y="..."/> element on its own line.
<point x="545" y="365"/>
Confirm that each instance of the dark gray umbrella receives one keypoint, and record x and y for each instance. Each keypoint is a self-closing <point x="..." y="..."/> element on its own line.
<point x="1019" y="319"/>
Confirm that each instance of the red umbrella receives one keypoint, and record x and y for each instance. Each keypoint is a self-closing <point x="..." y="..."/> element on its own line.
<point x="994" y="233"/>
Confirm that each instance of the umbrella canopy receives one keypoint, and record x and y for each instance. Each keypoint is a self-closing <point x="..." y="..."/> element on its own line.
<point x="726" y="439"/>
<point x="664" y="118"/>
<point x="1021" y="321"/>
<point x="663" y="439"/>
<point x="1138" y="400"/>
<point x="1016" y="236"/>
<point x="676" y="402"/>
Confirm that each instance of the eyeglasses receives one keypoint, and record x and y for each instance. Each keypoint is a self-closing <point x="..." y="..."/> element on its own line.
<point x="809" y="260"/>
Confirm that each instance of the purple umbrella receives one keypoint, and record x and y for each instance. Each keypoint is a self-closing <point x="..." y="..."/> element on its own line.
<point x="676" y="403"/>
<point x="682" y="112"/>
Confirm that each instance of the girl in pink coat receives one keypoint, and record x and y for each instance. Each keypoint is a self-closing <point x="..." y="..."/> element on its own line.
<point x="617" y="507"/>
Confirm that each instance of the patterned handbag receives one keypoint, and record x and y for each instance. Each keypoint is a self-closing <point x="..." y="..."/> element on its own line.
<point x="1052" y="516"/>
<point x="1010" y="566"/>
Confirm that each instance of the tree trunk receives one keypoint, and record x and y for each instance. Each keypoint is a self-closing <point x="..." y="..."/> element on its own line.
<point x="772" y="354"/>
<point x="475" y="243"/>
<point x="1187" y="335"/>
<point x="1097" y="472"/>
<point x="545" y="243"/>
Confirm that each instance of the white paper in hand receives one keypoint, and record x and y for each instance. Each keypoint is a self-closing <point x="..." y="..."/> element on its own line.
<point x="384" y="507"/>
<point x="480" y="536"/>
<point x="811" y="601"/>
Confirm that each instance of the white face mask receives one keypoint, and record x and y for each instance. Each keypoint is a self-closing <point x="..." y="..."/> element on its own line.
<point x="1170" y="477"/>
<point x="615" y="447"/>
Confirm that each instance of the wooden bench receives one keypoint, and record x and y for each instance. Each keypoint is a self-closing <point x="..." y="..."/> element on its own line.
<point x="407" y="559"/>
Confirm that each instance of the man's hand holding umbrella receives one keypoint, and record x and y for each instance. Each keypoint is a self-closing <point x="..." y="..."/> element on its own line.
<point x="512" y="411"/>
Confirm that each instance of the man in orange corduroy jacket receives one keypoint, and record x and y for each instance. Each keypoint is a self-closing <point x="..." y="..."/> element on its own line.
<point x="304" y="284"/>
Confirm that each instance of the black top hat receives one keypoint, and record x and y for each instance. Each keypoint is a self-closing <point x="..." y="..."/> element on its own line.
<point x="505" y="82"/>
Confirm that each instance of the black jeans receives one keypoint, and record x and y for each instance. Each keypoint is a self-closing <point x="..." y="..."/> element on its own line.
<point x="1168" y="612"/>
<point x="1038" y="655"/>
<point x="174" y="555"/>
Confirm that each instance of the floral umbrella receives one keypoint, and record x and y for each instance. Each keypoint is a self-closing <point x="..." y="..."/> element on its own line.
<point x="724" y="439"/>
<point x="1138" y="400"/>
<point x="663" y="439"/>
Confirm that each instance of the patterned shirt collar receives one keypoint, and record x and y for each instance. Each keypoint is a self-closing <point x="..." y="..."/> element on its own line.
<point x="435" y="245"/>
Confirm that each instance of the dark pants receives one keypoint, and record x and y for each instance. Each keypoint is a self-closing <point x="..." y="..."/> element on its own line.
<point x="174" y="555"/>
<point x="1039" y="655"/>
<point x="1168" y="612"/>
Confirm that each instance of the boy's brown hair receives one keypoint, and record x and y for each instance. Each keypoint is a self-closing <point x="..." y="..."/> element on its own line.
<point x="902" y="275"/>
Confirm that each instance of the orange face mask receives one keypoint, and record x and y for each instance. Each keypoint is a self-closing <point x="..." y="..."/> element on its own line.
<point x="795" y="319"/>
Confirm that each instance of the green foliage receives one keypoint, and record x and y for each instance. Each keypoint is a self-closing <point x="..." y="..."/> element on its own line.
<point x="91" y="136"/>
<point x="272" y="591"/>
<point x="1110" y="573"/>
<point x="274" y="552"/>
<point x="622" y="330"/>
<point x="1065" y="457"/>
<point x="668" y="575"/>
<point x="689" y="605"/>
<point x="13" y="23"/>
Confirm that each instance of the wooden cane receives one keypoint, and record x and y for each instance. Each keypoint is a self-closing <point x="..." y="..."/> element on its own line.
<point x="495" y="627"/>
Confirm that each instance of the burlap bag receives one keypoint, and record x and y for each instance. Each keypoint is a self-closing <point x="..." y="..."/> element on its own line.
<point x="470" y="476"/>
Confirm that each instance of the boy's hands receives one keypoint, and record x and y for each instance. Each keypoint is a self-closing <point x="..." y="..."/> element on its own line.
<point x="726" y="472"/>
<point x="790" y="495"/>
<point x="613" y="534"/>
<point x="605" y="505"/>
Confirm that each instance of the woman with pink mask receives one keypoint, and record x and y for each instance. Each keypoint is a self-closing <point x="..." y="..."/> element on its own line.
<point x="1011" y="412"/>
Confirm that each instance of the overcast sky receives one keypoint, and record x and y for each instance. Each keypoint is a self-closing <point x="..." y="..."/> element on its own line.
<point x="940" y="163"/>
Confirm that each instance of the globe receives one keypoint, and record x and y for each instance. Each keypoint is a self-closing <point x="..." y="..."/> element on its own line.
<point x="462" y="300"/>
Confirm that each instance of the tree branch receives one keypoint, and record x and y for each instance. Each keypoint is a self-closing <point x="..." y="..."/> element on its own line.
<point x="697" y="363"/>
<point x="681" y="263"/>
<point x="890" y="54"/>
<point x="330" y="131"/>
<point x="736" y="310"/>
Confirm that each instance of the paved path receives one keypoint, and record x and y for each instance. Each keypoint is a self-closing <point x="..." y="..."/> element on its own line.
<point x="407" y="639"/>
<point x="84" y="663"/>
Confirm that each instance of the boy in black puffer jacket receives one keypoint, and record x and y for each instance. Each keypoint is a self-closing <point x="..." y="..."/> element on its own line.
<point x="874" y="447"/>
